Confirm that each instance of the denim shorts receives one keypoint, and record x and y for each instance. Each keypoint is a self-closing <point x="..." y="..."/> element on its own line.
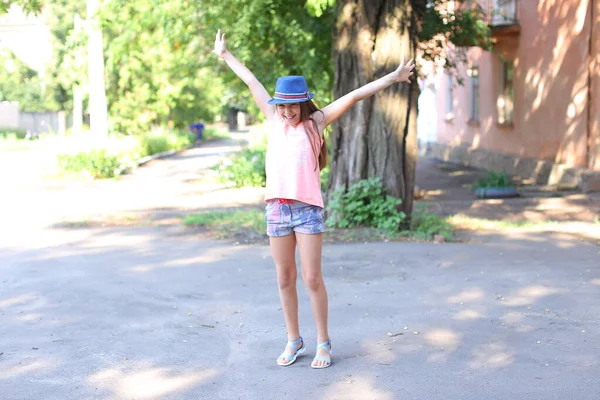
<point x="284" y="217"/>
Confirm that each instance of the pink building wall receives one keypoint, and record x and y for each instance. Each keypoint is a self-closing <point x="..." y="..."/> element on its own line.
<point x="556" y="88"/>
<point x="594" y="122"/>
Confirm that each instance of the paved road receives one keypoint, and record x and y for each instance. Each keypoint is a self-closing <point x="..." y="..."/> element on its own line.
<point x="142" y="313"/>
<point x="156" y="313"/>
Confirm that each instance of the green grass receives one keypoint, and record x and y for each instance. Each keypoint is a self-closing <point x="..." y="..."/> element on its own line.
<point x="214" y="134"/>
<point x="227" y="223"/>
<point x="493" y="179"/>
<point x="425" y="226"/>
<point x="12" y="144"/>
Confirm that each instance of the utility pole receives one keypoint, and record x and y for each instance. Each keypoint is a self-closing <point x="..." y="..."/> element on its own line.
<point x="98" y="108"/>
<point x="77" y="89"/>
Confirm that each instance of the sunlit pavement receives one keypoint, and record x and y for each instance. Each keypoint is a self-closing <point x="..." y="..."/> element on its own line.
<point x="157" y="313"/>
<point x="137" y="313"/>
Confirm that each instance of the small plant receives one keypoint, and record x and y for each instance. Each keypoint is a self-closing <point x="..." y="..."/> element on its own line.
<point x="13" y="133"/>
<point x="97" y="163"/>
<point x="213" y="134"/>
<point x="494" y="179"/>
<point x="324" y="178"/>
<point x="245" y="168"/>
<point x="153" y="144"/>
<point x="160" y="140"/>
<point x="425" y="226"/>
<point x="366" y="203"/>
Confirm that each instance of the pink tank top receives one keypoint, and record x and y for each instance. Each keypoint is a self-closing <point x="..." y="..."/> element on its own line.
<point x="292" y="168"/>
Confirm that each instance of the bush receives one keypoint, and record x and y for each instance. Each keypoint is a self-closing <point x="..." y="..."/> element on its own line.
<point x="425" y="226"/>
<point x="324" y="178"/>
<point x="160" y="140"/>
<point x="152" y="144"/>
<point x="366" y="203"/>
<point x="118" y="153"/>
<point x="246" y="168"/>
<point x="494" y="179"/>
<point x="12" y="133"/>
<point x="97" y="163"/>
<point x="212" y="134"/>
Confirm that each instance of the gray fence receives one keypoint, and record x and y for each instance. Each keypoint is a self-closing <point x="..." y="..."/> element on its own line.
<point x="45" y="122"/>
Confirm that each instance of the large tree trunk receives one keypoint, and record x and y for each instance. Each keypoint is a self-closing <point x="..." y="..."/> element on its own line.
<point x="378" y="136"/>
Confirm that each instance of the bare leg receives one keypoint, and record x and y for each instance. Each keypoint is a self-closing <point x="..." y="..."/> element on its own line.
<point x="311" y="247"/>
<point x="283" y="250"/>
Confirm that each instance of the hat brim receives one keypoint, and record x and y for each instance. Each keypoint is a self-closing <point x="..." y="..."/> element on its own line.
<point x="291" y="101"/>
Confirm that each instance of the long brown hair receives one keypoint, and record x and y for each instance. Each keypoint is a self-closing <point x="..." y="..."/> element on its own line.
<point x="307" y="109"/>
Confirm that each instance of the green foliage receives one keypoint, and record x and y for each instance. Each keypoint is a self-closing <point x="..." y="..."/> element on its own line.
<point x="317" y="8"/>
<point x="118" y="154"/>
<point x="12" y="133"/>
<point x="97" y="163"/>
<point x="213" y="134"/>
<point x="425" y="226"/>
<point x="324" y="178"/>
<point x="156" y="64"/>
<point x="158" y="141"/>
<point x="11" y="139"/>
<point x="364" y="204"/>
<point x="68" y="66"/>
<point x="159" y="65"/>
<point x="29" y="6"/>
<point x="152" y="144"/>
<point x="273" y="38"/>
<point x="20" y="83"/>
<point x="493" y="179"/>
<point x="463" y="27"/>
<point x="245" y="168"/>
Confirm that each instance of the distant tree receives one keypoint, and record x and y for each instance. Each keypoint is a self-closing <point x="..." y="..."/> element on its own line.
<point x="156" y="64"/>
<point x="29" y="6"/>
<point x="20" y="83"/>
<point x="273" y="38"/>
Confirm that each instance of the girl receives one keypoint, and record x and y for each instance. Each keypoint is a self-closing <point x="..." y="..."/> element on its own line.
<point x="296" y="153"/>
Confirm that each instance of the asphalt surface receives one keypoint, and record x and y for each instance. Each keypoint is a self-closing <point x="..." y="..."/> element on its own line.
<point x="156" y="313"/>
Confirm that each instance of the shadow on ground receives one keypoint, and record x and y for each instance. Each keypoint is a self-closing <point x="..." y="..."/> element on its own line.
<point x="134" y="313"/>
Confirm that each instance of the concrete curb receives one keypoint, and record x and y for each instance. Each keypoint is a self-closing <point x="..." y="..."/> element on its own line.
<point x="540" y="171"/>
<point x="156" y="156"/>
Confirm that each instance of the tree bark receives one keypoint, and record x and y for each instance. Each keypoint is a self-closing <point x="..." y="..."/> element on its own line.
<point x="378" y="136"/>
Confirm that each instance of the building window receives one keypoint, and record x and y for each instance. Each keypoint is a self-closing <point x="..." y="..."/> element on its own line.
<point x="504" y="12"/>
<point x="505" y="101"/>
<point x="450" y="97"/>
<point x="473" y="94"/>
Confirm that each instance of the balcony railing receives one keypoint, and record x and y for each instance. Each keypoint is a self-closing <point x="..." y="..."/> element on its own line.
<point x="502" y="12"/>
<point x="499" y="13"/>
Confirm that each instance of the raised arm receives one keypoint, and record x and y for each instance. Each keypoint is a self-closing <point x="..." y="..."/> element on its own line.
<point x="259" y="93"/>
<point x="335" y="110"/>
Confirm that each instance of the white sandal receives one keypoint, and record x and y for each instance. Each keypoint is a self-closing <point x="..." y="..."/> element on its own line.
<point x="292" y="358"/>
<point x="323" y="345"/>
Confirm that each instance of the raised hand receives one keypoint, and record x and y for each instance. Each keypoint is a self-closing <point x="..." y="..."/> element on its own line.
<point x="220" y="47"/>
<point x="404" y="72"/>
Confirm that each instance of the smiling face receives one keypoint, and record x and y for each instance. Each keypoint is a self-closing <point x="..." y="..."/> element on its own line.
<point x="290" y="113"/>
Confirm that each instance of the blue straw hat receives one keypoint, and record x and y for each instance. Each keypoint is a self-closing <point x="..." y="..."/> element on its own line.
<point x="291" y="89"/>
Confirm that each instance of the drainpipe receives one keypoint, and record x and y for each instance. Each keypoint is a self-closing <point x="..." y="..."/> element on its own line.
<point x="589" y="86"/>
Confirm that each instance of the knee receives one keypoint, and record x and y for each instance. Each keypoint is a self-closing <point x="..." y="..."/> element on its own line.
<point x="287" y="279"/>
<point x="313" y="282"/>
